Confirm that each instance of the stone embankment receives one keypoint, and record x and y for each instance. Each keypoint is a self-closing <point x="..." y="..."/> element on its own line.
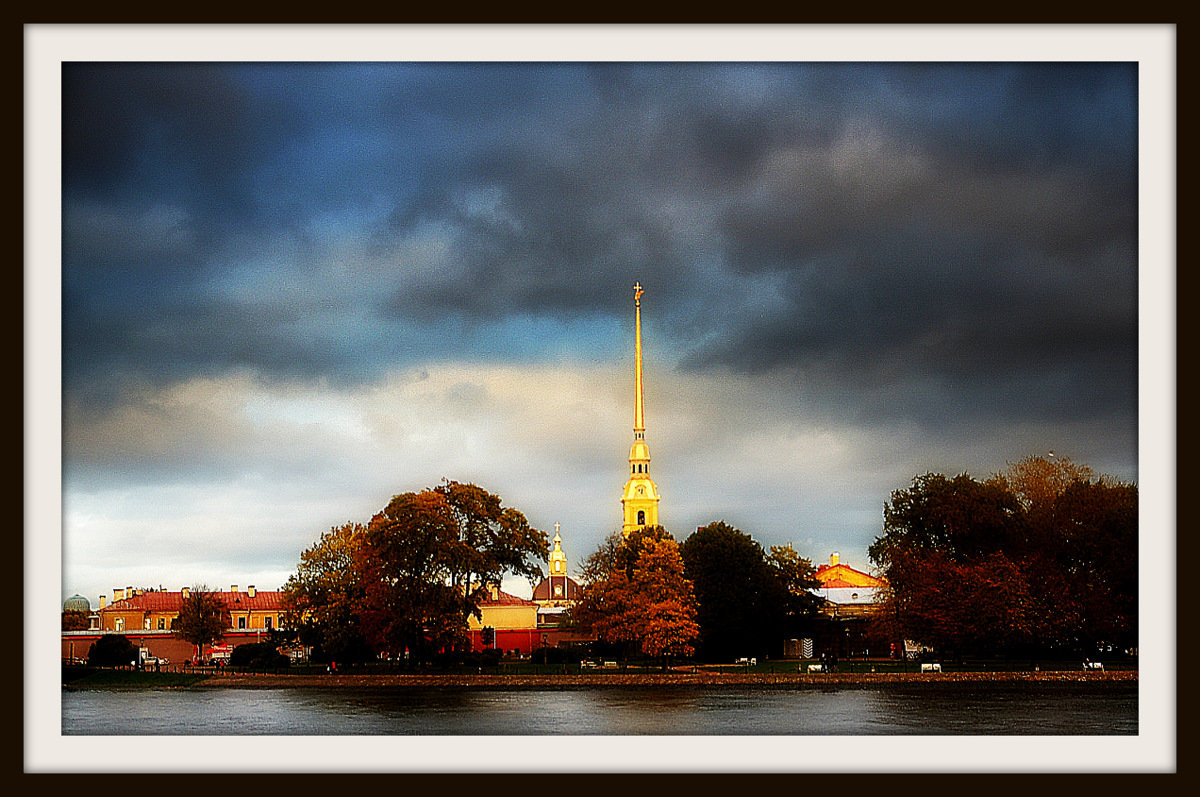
<point x="492" y="681"/>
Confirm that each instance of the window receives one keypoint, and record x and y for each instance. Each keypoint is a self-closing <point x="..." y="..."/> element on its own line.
<point x="267" y="622"/>
<point x="641" y="517"/>
<point x="146" y="624"/>
<point x="119" y="624"/>
<point x="162" y="624"/>
<point x="241" y="622"/>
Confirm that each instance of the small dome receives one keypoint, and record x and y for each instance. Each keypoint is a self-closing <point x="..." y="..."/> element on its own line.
<point x="77" y="603"/>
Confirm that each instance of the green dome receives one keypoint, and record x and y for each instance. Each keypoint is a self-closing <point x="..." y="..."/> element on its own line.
<point x="77" y="603"/>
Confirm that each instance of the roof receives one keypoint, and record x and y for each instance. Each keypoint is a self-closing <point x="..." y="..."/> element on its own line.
<point x="831" y="575"/>
<point x="544" y="592"/>
<point x="159" y="601"/>
<point x="502" y="598"/>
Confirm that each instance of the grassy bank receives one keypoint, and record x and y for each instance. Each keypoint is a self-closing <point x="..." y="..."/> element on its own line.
<point x="668" y="679"/>
<point x="103" y="678"/>
<point x="528" y="675"/>
<point x="525" y="667"/>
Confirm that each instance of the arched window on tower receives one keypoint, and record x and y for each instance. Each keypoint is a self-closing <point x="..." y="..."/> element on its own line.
<point x="641" y="517"/>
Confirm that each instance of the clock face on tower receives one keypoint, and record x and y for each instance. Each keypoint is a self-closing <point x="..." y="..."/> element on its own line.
<point x="641" y="491"/>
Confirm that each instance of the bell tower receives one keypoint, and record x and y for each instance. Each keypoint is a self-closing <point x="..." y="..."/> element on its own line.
<point x="640" y="500"/>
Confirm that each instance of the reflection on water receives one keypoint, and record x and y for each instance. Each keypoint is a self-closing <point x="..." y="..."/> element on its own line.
<point x="985" y="709"/>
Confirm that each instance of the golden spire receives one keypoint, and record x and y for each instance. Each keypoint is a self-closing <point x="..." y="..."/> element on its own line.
<point x="639" y="416"/>
<point x="639" y="502"/>
<point x="558" y="559"/>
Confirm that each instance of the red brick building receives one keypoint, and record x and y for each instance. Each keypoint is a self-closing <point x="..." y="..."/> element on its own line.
<point x="145" y="617"/>
<point x="154" y="610"/>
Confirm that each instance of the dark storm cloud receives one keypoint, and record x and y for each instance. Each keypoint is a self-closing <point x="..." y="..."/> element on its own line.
<point x="921" y="273"/>
<point x="184" y="133"/>
<point x="960" y="232"/>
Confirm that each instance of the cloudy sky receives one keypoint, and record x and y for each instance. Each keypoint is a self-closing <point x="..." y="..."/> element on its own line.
<point x="292" y="290"/>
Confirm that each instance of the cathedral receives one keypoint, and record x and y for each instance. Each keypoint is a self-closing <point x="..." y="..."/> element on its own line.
<point x="558" y="590"/>
<point x="639" y="502"/>
<point x="508" y="623"/>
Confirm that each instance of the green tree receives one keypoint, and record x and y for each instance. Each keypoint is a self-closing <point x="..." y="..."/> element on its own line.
<point x="960" y="515"/>
<point x="258" y="655"/>
<point x="797" y="575"/>
<point x="1098" y="522"/>
<point x="742" y="604"/>
<point x="636" y="598"/>
<point x="202" y="619"/>
<point x="112" y="650"/>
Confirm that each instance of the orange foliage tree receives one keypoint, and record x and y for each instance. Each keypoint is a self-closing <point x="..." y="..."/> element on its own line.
<point x="636" y="597"/>
<point x="410" y="579"/>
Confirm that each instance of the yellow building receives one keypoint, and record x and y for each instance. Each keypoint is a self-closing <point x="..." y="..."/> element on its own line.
<point x="847" y="592"/>
<point x="639" y="502"/>
<point x="503" y="611"/>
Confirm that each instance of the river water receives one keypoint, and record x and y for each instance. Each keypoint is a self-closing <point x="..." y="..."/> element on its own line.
<point x="1028" y="709"/>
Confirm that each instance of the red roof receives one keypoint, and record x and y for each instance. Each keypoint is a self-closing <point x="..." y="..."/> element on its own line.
<point x="263" y="601"/>
<point x="831" y="576"/>
<point x="504" y="599"/>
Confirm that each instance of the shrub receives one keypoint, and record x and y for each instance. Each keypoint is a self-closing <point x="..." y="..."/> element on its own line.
<point x="262" y="655"/>
<point x="556" y="656"/>
<point x="112" y="651"/>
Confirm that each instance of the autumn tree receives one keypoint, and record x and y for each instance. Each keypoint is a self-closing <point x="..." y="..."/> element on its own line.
<point x="668" y="602"/>
<point x="619" y="551"/>
<point x="1082" y="550"/>
<point x="74" y="620"/>
<point x="1043" y="556"/>
<point x="202" y="619"/>
<point x="323" y="598"/>
<point x="411" y="577"/>
<point x="635" y="596"/>
<point x="1037" y="481"/>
